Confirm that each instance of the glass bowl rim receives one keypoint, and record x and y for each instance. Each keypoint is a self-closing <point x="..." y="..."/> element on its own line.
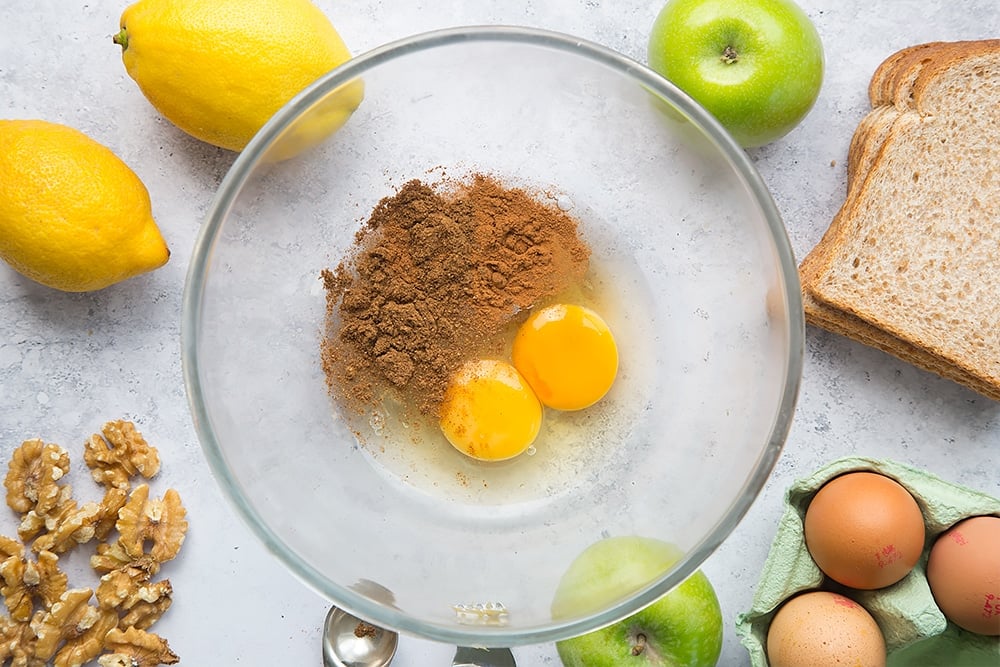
<point x="199" y="268"/>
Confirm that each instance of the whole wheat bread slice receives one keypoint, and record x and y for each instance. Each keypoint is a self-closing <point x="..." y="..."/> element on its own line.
<point x="889" y="92"/>
<point x="871" y="132"/>
<point x="888" y="84"/>
<point x="894" y="80"/>
<point x="857" y="329"/>
<point x="932" y="90"/>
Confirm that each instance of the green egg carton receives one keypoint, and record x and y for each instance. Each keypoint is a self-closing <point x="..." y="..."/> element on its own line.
<point x="915" y="630"/>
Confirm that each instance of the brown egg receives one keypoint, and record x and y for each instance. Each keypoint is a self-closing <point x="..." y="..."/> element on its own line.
<point x="864" y="530"/>
<point x="819" y="628"/>
<point x="963" y="571"/>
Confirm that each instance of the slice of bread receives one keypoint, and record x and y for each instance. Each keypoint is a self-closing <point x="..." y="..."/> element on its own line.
<point x="871" y="132"/>
<point x="863" y="332"/>
<point x="911" y="262"/>
<point x="891" y="85"/>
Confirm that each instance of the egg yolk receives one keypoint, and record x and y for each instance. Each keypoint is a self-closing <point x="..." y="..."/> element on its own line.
<point x="489" y="412"/>
<point x="568" y="355"/>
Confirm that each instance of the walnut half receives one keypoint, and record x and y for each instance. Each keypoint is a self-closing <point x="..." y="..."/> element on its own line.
<point x="25" y="581"/>
<point x="33" y="476"/>
<point x="160" y="523"/>
<point x="157" y="521"/>
<point x="73" y="631"/>
<point x="136" y="648"/>
<point x="119" y="455"/>
<point x="17" y="644"/>
<point x="73" y="525"/>
<point x="140" y="602"/>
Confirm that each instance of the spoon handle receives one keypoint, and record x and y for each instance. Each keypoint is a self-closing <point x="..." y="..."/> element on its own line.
<point x="482" y="657"/>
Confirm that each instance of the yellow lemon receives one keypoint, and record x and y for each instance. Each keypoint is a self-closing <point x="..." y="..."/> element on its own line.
<point x="72" y="215"/>
<point x="219" y="69"/>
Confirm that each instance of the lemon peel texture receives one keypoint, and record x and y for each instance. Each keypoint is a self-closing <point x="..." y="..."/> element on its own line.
<point x="73" y="216"/>
<point x="219" y="69"/>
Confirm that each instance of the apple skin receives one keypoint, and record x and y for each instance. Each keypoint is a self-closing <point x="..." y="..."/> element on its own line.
<point x="681" y="629"/>
<point x="756" y="65"/>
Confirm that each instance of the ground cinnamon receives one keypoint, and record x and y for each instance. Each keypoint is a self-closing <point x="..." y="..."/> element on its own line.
<point x="432" y="279"/>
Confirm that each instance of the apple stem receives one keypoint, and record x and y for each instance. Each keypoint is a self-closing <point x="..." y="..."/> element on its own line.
<point x="640" y="644"/>
<point x="729" y="55"/>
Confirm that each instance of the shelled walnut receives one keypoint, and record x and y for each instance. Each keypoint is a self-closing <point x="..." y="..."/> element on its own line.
<point x="136" y="648"/>
<point x="73" y="631"/>
<point x="111" y="556"/>
<point x="75" y="525"/>
<point x="32" y="479"/>
<point x="120" y="455"/>
<point x="27" y="581"/>
<point x="140" y="601"/>
<point x="159" y="522"/>
<point x="113" y="501"/>
<point x="17" y="644"/>
<point x="48" y="622"/>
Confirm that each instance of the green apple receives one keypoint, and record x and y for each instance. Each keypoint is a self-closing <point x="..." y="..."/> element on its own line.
<point x="756" y="65"/>
<point x="681" y="629"/>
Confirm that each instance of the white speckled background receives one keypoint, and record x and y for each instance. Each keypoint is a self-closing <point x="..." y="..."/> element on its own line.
<point x="70" y="362"/>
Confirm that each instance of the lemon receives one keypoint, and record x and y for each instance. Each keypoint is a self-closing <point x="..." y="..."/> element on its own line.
<point x="219" y="69"/>
<point x="72" y="215"/>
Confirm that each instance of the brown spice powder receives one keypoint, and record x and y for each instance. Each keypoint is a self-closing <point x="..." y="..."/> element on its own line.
<point x="431" y="280"/>
<point x="363" y="630"/>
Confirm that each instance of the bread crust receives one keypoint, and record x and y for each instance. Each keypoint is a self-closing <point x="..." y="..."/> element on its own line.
<point x="862" y="332"/>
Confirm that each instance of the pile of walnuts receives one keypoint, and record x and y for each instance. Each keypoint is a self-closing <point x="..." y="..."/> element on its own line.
<point x="48" y="622"/>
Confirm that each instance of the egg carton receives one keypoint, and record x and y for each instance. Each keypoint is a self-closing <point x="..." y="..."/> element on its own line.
<point x="915" y="630"/>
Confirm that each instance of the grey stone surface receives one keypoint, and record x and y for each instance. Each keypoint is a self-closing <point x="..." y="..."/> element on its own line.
<point x="69" y="362"/>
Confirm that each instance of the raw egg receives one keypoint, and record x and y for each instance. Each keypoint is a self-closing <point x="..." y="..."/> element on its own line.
<point x="820" y="628"/>
<point x="864" y="530"/>
<point x="568" y="355"/>
<point x="489" y="412"/>
<point x="963" y="571"/>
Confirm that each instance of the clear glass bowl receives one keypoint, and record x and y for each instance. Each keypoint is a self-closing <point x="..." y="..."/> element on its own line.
<point x="705" y="304"/>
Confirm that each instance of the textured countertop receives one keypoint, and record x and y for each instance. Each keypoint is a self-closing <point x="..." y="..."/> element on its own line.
<point x="68" y="363"/>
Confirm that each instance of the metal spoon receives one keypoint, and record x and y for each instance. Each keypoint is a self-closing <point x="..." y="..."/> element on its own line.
<point x="350" y="642"/>
<point x="483" y="657"/>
